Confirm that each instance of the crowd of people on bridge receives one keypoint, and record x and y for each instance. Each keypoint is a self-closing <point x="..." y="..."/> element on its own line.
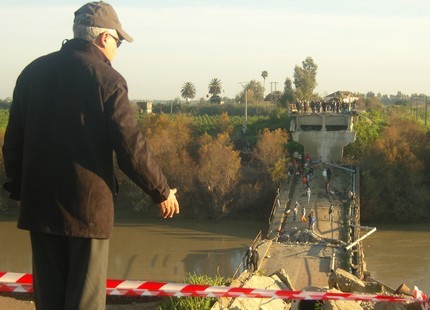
<point x="303" y="170"/>
<point x="320" y="106"/>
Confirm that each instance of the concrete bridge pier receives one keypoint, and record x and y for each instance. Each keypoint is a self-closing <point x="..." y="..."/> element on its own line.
<point x="323" y="136"/>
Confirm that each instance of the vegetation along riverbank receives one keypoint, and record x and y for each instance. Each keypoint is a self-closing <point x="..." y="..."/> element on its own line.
<point x="222" y="171"/>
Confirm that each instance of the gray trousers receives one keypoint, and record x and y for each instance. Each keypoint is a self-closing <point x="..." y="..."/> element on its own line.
<point x="69" y="272"/>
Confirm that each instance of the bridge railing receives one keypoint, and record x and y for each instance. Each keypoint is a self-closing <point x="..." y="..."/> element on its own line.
<point x="275" y="223"/>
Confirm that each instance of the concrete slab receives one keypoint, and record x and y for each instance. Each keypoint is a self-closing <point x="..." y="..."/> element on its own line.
<point x="253" y="281"/>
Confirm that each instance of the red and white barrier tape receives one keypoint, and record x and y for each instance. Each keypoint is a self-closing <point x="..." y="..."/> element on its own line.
<point x="22" y="283"/>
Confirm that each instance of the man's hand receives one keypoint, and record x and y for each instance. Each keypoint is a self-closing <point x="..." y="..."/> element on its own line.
<point x="170" y="206"/>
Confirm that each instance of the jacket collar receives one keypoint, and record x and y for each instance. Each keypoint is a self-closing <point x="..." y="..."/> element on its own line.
<point x="85" y="46"/>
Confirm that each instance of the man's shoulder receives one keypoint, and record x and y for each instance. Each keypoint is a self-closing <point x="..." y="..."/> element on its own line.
<point x="38" y="66"/>
<point x="42" y="60"/>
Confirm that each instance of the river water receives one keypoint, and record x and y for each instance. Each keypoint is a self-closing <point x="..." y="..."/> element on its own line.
<point x="397" y="254"/>
<point x="156" y="250"/>
<point x="166" y="250"/>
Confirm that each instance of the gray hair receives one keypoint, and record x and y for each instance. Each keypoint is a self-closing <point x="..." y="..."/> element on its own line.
<point x="90" y="33"/>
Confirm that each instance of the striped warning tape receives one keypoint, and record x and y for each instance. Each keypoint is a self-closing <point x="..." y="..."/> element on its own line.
<point x="22" y="283"/>
<point x="12" y="277"/>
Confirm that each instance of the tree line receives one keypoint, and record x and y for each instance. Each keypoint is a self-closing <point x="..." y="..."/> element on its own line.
<point x="254" y="91"/>
<point x="222" y="171"/>
<point x="392" y="150"/>
<point x="219" y="171"/>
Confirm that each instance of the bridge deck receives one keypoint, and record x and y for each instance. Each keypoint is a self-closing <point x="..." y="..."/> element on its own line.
<point x="308" y="261"/>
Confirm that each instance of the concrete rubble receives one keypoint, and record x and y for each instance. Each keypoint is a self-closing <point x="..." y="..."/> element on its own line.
<point x="340" y="281"/>
<point x="248" y="280"/>
<point x="307" y="236"/>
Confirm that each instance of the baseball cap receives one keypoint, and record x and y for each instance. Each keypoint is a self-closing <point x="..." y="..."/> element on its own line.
<point x="100" y="14"/>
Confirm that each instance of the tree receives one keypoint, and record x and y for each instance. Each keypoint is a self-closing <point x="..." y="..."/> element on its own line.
<point x="270" y="150"/>
<point x="255" y="92"/>
<point x="264" y="74"/>
<point x="288" y="96"/>
<point x="170" y="139"/>
<point x="367" y="128"/>
<point x="394" y="181"/>
<point x="274" y="97"/>
<point x="223" y="124"/>
<point x="188" y="91"/>
<point x="305" y="79"/>
<point x="370" y="94"/>
<point x="218" y="170"/>
<point x="215" y="89"/>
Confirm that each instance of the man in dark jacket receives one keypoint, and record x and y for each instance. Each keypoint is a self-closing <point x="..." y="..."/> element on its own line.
<point x="254" y="259"/>
<point x="70" y="113"/>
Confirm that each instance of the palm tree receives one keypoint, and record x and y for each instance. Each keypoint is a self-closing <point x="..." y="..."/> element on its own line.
<point x="188" y="91"/>
<point x="215" y="89"/>
<point x="264" y="74"/>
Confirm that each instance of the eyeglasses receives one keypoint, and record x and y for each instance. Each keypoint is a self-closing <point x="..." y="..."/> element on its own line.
<point x="118" y="41"/>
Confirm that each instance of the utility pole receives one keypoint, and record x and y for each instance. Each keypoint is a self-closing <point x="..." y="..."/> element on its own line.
<point x="244" y="85"/>
<point x="425" y="114"/>
<point x="416" y="110"/>
<point x="271" y="86"/>
<point x="411" y="104"/>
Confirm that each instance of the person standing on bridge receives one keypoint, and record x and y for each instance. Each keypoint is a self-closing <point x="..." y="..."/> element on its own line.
<point x="303" y="215"/>
<point x="254" y="259"/>
<point x="69" y="115"/>
<point x="296" y="211"/>
<point x="330" y="213"/>
<point x="304" y="182"/>
<point x="329" y="174"/>
<point x="352" y="197"/>
<point x="286" y="213"/>
<point x="248" y="256"/>
<point x="327" y="187"/>
<point x="311" y="221"/>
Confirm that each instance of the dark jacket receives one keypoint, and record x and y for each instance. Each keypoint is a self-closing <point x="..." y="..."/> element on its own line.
<point x="70" y="113"/>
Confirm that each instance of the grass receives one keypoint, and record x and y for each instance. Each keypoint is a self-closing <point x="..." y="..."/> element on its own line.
<point x="195" y="303"/>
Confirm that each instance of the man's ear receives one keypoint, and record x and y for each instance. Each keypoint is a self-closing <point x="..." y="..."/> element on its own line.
<point x="101" y="40"/>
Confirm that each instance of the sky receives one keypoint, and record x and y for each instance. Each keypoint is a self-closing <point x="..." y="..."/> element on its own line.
<point x="359" y="45"/>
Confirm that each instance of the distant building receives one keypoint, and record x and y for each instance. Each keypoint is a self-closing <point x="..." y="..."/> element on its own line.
<point x="345" y="96"/>
<point x="215" y="99"/>
<point x="144" y="107"/>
